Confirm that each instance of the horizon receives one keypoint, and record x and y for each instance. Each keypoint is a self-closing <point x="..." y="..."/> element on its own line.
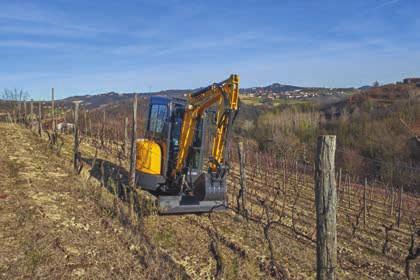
<point x="142" y="46"/>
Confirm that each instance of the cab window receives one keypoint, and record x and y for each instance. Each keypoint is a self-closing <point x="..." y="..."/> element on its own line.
<point x="157" y="118"/>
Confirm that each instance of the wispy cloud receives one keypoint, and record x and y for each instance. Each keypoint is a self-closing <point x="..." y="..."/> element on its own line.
<point x="31" y="19"/>
<point x="42" y="30"/>
<point x="62" y="47"/>
<point x="385" y="3"/>
<point x="29" y="44"/>
<point x="201" y="43"/>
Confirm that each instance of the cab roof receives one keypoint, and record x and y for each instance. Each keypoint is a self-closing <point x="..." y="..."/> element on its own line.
<point x="165" y="100"/>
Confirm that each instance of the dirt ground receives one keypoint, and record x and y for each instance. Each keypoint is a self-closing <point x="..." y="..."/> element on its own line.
<point x="50" y="228"/>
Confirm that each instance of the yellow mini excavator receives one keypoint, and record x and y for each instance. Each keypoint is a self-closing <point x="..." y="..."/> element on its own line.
<point x="170" y="156"/>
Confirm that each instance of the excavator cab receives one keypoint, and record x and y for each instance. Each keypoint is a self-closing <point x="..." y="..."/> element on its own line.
<point x="170" y="156"/>
<point x="157" y="151"/>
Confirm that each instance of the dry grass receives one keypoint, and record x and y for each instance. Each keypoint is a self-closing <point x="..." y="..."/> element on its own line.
<point x="55" y="225"/>
<point x="58" y="225"/>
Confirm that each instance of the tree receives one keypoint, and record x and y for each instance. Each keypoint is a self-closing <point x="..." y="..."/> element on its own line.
<point x="15" y="95"/>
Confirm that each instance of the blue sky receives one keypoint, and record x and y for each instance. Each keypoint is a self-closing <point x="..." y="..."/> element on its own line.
<point x="82" y="47"/>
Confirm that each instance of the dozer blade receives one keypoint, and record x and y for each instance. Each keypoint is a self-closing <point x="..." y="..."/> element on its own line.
<point x="208" y="195"/>
<point x="176" y="204"/>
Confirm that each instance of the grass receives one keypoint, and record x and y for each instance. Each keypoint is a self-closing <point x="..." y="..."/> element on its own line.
<point x="165" y="238"/>
<point x="35" y="255"/>
<point x="24" y="214"/>
<point x="13" y="168"/>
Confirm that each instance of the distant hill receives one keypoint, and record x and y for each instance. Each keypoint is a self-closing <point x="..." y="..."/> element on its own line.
<point x="97" y="100"/>
<point x="273" y="88"/>
<point x="103" y="99"/>
<point x="378" y="99"/>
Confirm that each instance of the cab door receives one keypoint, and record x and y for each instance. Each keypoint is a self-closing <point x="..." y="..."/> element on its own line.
<point x="152" y="150"/>
<point x="157" y="127"/>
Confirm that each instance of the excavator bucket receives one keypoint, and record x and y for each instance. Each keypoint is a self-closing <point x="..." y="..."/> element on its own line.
<point x="177" y="204"/>
<point x="208" y="196"/>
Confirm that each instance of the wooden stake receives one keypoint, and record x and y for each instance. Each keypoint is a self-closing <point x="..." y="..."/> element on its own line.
<point x="133" y="146"/>
<point x="24" y="112"/>
<point x="90" y="127"/>
<point x="364" y="203"/>
<point x="326" y="207"/>
<point x="400" y="206"/>
<point x="103" y="130"/>
<point x="349" y="191"/>
<point x="31" y="109"/>
<point x="19" y="113"/>
<point x="339" y="185"/>
<point x="76" y="136"/>
<point x="242" y="179"/>
<point x="391" y="211"/>
<point x="52" y="110"/>
<point x="126" y="137"/>
<point x="40" y="119"/>
<point x="85" y="123"/>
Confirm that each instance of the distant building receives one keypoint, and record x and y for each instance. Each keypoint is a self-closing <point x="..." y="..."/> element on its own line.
<point x="411" y="81"/>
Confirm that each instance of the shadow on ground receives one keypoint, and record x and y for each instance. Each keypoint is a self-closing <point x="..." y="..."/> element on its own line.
<point x="111" y="176"/>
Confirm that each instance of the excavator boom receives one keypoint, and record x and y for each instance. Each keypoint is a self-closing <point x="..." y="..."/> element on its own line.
<point x="225" y="95"/>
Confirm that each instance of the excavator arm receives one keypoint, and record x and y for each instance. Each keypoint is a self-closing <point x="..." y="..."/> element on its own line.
<point x="225" y="94"/>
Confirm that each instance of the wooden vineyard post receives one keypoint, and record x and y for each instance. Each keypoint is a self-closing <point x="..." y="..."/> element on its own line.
<point x="103" y="130"/>
<point x="284" y="176"/>
<point x="132" y="175"/>
<point x="400" y="206"/>
<point x="85" y="123"/>
<point x="339" y="185"/>
<point x="391" y="210"/>
<point x="364" y="203"/>
<point x="76" y="157"/>
<point x="24" y="112"/>
<point x="326" y="207"/>
<point x="126" y="137"/>
<point x="90" y="127"/>
<point x="19" y="105"/>
<point x="242" y="180"/>
<point x="52" y="110"/>
<point x="40" y="118"/>
<point x="348" y="191"/>
<point x="31" y="112"/>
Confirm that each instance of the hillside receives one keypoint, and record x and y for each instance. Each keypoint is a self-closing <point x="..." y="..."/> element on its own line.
<point x="376" y="130"/>
<point x="97" y="100"/>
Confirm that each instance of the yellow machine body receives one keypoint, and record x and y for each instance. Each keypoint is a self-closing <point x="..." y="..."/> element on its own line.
<point x="170" y="157"/>
<point x="149" y="157"/>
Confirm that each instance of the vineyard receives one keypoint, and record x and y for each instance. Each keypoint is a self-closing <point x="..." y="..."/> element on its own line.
<point x="269" y="229"/>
